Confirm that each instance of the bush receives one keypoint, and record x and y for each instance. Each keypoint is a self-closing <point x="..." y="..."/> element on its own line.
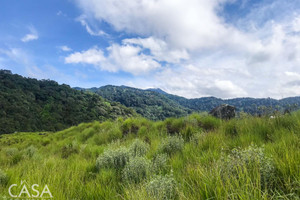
<point x="10" y="152"/>
<point x="136" y="170"/>
<point x="116" y="159"/>
<point x="138" y="148"/>
<point x="172" y="144"/>
<point x="69" y="149"/>
<point x="14" y="154"/>
<point x="3" y="178"/>
<point x="162" y="188"/>
<point x="30" y="151"/>
<point x="249" y="161"/>
<point x="159" y="163"/>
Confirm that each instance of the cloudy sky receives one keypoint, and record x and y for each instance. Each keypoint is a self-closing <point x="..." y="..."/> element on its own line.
<point x="192" y="48"/>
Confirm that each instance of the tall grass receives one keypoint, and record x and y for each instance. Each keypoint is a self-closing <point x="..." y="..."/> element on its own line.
<point x="194" y="157"/>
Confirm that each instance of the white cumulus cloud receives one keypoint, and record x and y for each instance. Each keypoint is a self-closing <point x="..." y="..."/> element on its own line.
<point x="205" y="53"/>
<point x="33" y="35"/>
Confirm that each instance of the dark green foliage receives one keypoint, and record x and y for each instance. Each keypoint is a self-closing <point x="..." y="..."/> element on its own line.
<point x="150" y="104"/>
<point x="156" y="104"/>
<point x="3" y="178"/>
<point x="31" y="105"/>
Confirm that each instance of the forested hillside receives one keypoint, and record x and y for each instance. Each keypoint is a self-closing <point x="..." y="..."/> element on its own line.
<point x="157" y="104"/>
<point x="150" y="104"/>
<point x="32" y="105"/>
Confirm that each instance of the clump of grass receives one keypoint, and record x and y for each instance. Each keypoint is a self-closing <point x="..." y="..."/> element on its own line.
<point x="113" y="158"/>
<point x="106" y="132"/>
<point x="87" y="133"/>
<point x="171" y="145"/>
<point x="69" y="149"/>
<point x="251" y="161"/>
<point x="3" y="178"/>
<point x="136" y="170"/>
<point x="231" y="128"/>
<point x="159" y="163"/>
<point x="209" y="123"/>
<point x="138" y="148"/>
<point x="130" y="125"/>
<point x="10" y="152"/>
<point x="174" y="126"/>
<point x="14" y="154"/>
<point x="30" y="151"/>
<point x="162" y="188"/>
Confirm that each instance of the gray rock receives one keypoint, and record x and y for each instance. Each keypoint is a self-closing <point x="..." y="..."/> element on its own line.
<point x="223" y="112"/>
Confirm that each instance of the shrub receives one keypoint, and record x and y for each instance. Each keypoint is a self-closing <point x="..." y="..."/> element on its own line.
<point x="14" y="154"/>
<point x="10" y="152"/>
<point x="159" y="163"/>
<point x="138" y="148"/>
<point x="116" y="159"/>
<point x="30" y="151"/>
<point x="162" y="188"/>
<point x="69" y="149"/>
<point x="250" y="160"/>
<point x="172" y="144"/>
<point x="3" y="178"/>
<point x="136" y="170"/>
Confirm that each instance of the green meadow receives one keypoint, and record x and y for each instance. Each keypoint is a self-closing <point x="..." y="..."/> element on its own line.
<point x="194" y="157"/>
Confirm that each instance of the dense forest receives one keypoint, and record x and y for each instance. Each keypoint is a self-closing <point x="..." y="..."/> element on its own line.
<point x="150" y="104"/>
<point x="157" y="104"/>
<point x="43" y="105"/>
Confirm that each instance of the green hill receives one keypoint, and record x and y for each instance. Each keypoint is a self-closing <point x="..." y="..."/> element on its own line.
<point x="150" y="104"/>
<point x="194" y="157"/>
<point x="43" y="105"/>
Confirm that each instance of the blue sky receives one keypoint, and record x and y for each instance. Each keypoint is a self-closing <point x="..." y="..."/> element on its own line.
<point x="192" y="48"/>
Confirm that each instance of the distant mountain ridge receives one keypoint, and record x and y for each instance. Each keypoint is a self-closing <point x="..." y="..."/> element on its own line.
<point x="150" y="104"/>
<point x="176" y="106"/>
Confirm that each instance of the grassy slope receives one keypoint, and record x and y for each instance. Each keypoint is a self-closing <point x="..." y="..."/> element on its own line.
<point x="65" y="160"/>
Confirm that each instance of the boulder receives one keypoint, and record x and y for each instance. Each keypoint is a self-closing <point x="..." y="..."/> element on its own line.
<point x="223" y="112"/>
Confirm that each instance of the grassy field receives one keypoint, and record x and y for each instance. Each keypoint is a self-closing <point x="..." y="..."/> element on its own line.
<point x="195" y="157"/>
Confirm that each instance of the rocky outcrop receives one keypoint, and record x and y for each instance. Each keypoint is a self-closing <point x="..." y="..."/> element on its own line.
<point x="223" y="112"/>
